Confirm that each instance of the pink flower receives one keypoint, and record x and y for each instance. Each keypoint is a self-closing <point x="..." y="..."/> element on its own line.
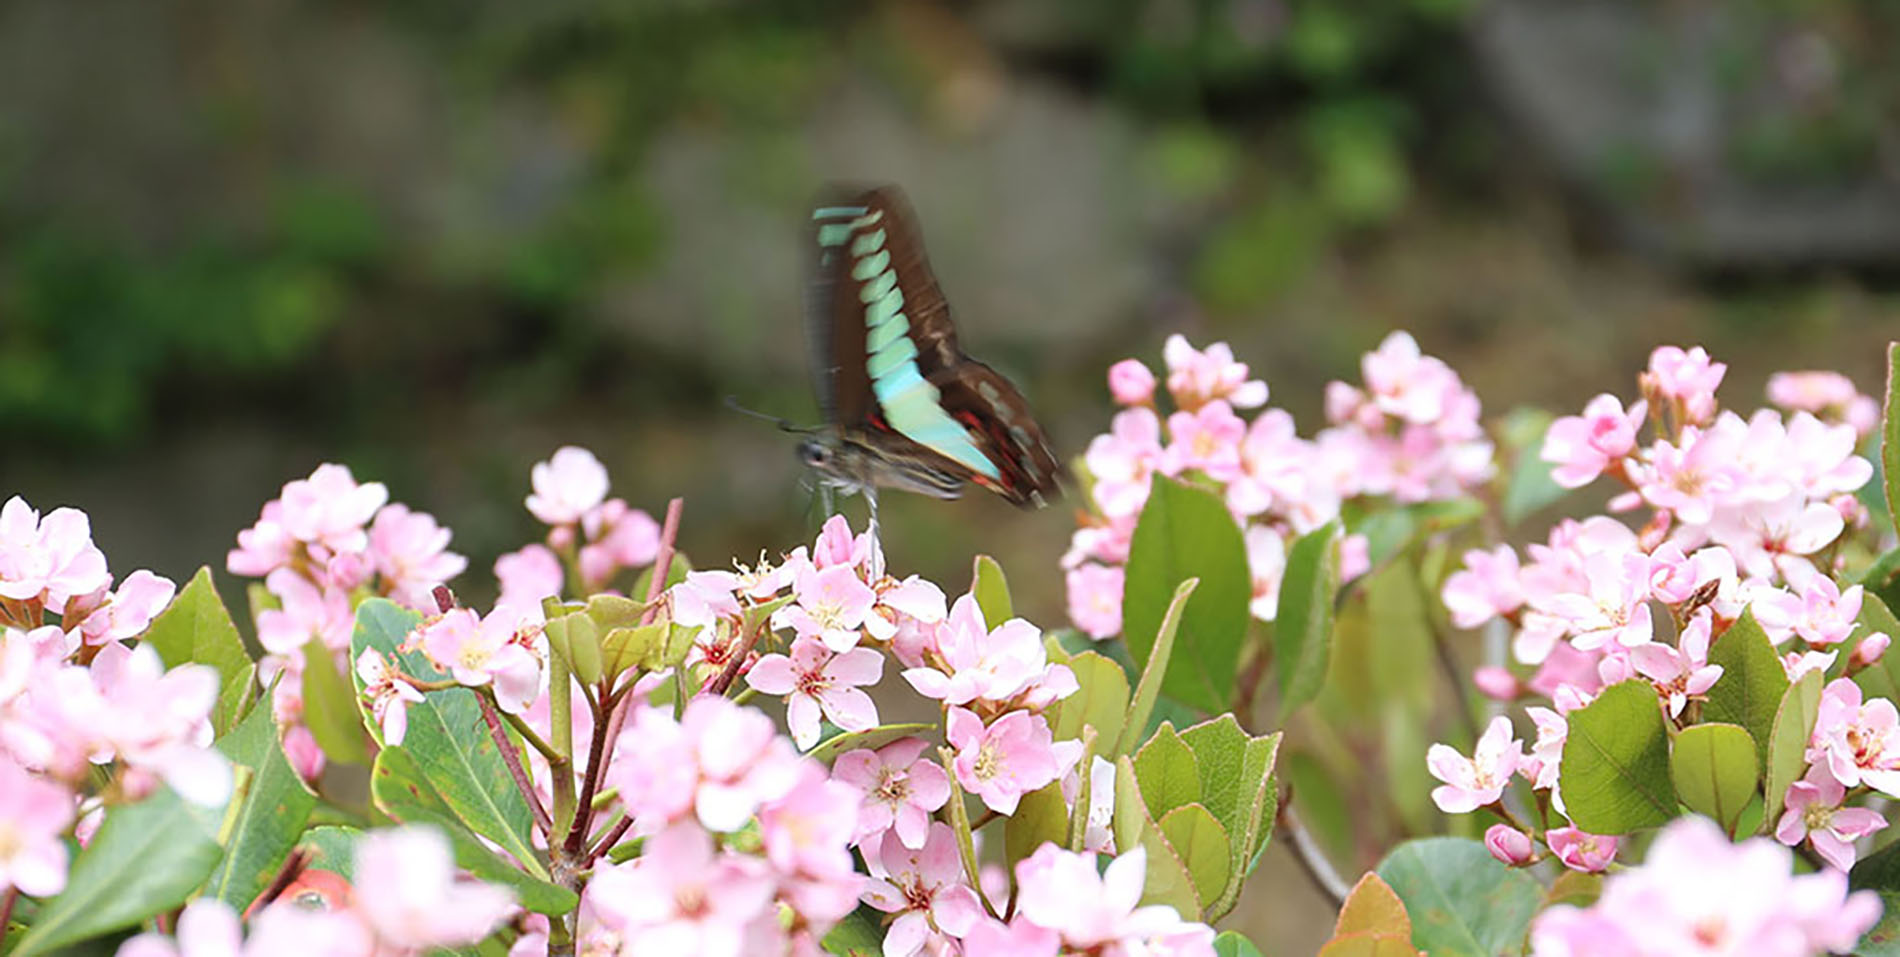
<point x="264" y="547"/>
<point x="1196" y="378"/>
<point x="1688" y="377"/>
<point x="1815" y="391"/>
<point x="1541" y="764"/>
<point x="1691" y="478"/>
<point x="927" y="890"/>
<point x="1496" y="682"/>
<point x="1814" y="813"/>
<point x="52" y="559"/>
<point x="34" y="813"/>
<point x="1012" y="757"/>
<point x="481" y="651"/>
<point x="1062" y="891"/>
<point x="1266" y="564"/>
<point x="1860" y="743"/>
<point x="1471" y="783"/>
<point x="1509" y="845"/>
<point x="898" y="602"/>
<point x="126" y="613"/>
<point x="741" y="759"/>
<point x="680" y="896"/>
<point x="286" y="929"/>
<point x="1683" y="672"/>
<point x="207" y="928"/>
<point x="1207" y="439"/>
<point x="1018" y="938"/>
<point x="410" y="552"/>
<point x="814" y="680"/>
<point x="621" y="536"/>
<point x="1485" y="588"/>
<point x="158" y="721"/>
<point x="528" y="575"/>
<point x="901" y="790"/>
<point x="1584" y="447"/>
<point x="1130" y="382"/>
<point x="567" y="486"/>
<point x="1123" y="461"/>
<point x="1798" y="663"/>
<point x="1828" y="615"/>
<point x="978" y="662"/>
<point x="1697" y="895"/>
<point x="1272" y="457"/>
<point x="831" y="605"/>
<point x="1095" y="599"/>
<point x="1615" y="606"/>
<point x="809" y="830"/>
<point x="389" y="695"/>
<point x="306" y="610"/>
<point x="407" y="891"/>
<point x="1404" y="383"/>
<point x="1589" y="853"/>
<point x="330" y="509"/>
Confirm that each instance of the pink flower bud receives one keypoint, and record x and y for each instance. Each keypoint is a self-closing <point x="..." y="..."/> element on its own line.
<point x="347" y="570"/>
<point x="1496" y="683"/>
<point x="1131" y="383"/>
<point x="1581" y="851"/>
<point x="1508" y="844"/>
<point x="1871" y="648"/>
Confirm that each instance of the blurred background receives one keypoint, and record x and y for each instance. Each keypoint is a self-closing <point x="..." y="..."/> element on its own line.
<point x="437" y="240"/>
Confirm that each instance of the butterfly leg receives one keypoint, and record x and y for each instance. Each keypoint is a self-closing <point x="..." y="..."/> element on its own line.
<point x="876" y="558"/>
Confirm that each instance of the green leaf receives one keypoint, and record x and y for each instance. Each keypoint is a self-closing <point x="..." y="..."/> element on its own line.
<point x="1751" y="685"/>
<point x="1788" y="742"/>
<point x="1101" y="702"/>
<point x="1882" y="578"/>
<point x="1890" y="436"/>
<point x="860" y="934"/>
<point x="402" y="789"/>
<point x="1303" y="626"/>
<point x="1462" y="901"/>
<point x="1167" y="771"/>
<point x="1238" y="787"/>
<point x="1042" y="817"/>
<point x="450" y="743"/>
<point x="330" y="709"/>
<point x="146" y="858"/>
<point x="1616" y="762"/>
<point x="872" y="738"/>
<point x="1880" y="872"/>
<point x="1201" y="844"/>
<point x="1153" y="677"/>
<point x="1531" y="487"/>
<point x="196" y="627"/>
<point x="1882" y="680"/>
<point x="330" y="848"/>
<point x="270" y="817"/>
<point x="1184" y="533"/>
<point x="1231" y="944"/>
<point x="960" y="824"/>
<point x="992" y="591"/>
<point x="1715" y="772"/>
<point x="1168" y="881"/>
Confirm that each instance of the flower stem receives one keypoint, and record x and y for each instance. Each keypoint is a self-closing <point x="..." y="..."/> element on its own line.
<point x="512" y="758"/>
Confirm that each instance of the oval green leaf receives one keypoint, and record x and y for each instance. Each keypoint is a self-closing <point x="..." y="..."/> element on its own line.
<point x="1303" y="626"/>
<point x="1714" y="770"/>
<point x="146" y="858"/>
<point x="1201" y="844"/>
<point x="992" y="591"/>
<point x="1100" y="702"/>
<point x="1615" y="767"/>
<point x="1462" y="901"/>
<point x="1184" y="533"/>
<point x="1153" y="677"/>
<point x="1788" y="742"/>
<point x="1752" y="681"/>
<point x="196" y="627"/>
<point x="270" y="817"/>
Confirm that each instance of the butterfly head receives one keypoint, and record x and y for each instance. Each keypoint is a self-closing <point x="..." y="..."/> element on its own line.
<point x="853" y="464"/>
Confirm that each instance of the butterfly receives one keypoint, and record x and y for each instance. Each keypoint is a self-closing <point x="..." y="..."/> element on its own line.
<point x="904" y="406"/>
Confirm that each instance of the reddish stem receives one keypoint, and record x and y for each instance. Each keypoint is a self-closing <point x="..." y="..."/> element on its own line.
<point x="511" y="758"/>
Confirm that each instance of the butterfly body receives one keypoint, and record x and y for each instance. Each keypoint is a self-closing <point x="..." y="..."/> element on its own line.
<point x="905" y="407"/>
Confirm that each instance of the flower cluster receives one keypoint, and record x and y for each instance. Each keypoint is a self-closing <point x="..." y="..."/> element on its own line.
<point x="1410" y="434"/>
<point x="406" y="900"/>
<point x="1696" y="893"/>
<point x="1745" y="515"/>
<point x="320" y="546"/>
<point x="590" y="536"/>
<point x="87" y="709"/>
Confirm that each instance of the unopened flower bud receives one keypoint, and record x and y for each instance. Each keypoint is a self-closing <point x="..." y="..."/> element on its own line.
<point x="1508" y="844"/>
<point x="1131" y="383"/>
<point x="1497" y="683"/>
<point x="1871" y="648"/>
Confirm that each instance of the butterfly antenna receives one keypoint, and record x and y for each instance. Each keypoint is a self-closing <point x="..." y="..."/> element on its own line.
<point x="732" y="402"/>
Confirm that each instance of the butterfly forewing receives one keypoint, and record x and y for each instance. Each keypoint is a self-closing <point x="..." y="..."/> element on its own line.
<point x="891" y="368"/>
